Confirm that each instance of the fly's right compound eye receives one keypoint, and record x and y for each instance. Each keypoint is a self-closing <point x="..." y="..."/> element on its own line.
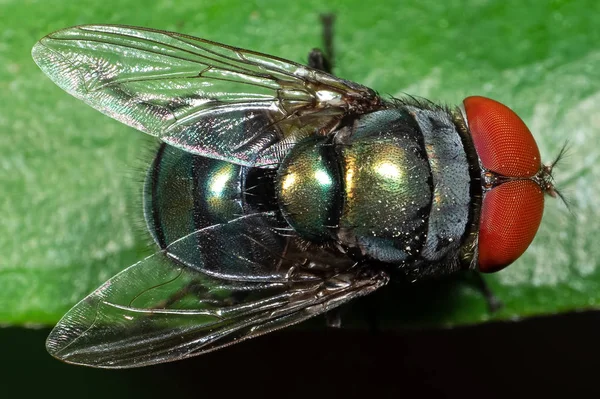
<point x="511" y="212"/>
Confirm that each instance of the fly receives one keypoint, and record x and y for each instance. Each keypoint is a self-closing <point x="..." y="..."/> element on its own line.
<point x="280" y="192"/>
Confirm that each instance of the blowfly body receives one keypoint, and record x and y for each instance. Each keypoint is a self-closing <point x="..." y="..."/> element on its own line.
<point x="280" y="191"/>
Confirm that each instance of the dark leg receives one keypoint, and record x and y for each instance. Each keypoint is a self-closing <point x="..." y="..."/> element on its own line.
<point x="334" y="318"/>
<point x="192" y="288"/>
<point x="368" y="307"/>
<point x="494" y="304"/>
<point x="324" y="62"/>
<point x="318" y="59"/>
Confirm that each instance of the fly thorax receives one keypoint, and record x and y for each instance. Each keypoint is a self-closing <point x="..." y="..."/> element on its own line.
<point x="453" y="174"/>
<point x="308" y="189"/>
<point x="387" y="187"/>
<point x="393" y="187"/>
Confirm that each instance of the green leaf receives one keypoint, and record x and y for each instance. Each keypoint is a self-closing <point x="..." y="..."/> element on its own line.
<point x="71" y="177"/>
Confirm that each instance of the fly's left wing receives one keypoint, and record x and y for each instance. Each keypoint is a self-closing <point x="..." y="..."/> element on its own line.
<point x="204" y="97"/>
<point x="164" y="309"/>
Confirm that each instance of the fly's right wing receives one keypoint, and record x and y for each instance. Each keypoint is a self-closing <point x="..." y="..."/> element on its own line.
<point x="191" y="298"/>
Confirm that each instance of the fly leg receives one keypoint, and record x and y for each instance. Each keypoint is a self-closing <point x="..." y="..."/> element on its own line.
<point x="318" y="59"/>
<point x="323" y="61"/>
<point x="494" y="304"/>
<point x="198" y="289"/>
<point x="334" y="318"/>
<point x="192" y="288"/>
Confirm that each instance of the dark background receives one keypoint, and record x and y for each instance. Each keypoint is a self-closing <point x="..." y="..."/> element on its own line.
<point x="546" y="357"/>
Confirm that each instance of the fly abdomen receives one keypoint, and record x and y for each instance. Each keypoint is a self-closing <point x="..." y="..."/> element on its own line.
<point x="184" y="192"/>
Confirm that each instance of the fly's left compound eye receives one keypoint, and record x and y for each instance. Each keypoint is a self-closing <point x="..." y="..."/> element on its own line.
<point x="512" y="211"/>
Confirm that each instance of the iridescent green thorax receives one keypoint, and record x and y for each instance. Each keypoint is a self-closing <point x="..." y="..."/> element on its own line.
<point x="308" y="187"/>
<point x="386" y="193"/>
<point x="392" y="186"/>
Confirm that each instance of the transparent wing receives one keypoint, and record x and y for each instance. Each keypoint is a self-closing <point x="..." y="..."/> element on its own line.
<point x="161" y="310"/>
<point x="207" y="98"/>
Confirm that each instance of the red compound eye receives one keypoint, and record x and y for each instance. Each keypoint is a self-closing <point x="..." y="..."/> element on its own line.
<point x="511" y="212"/>
<point x="503" y="142"/>
<point x="510" y="217"/>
